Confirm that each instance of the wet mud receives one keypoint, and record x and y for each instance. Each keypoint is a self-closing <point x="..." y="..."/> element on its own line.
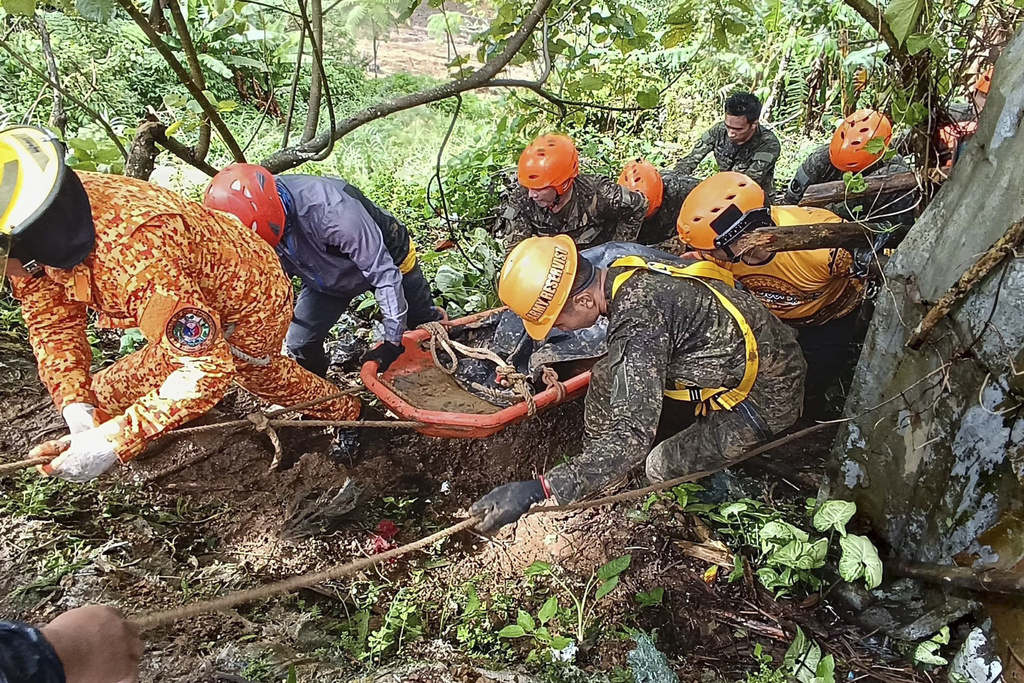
<point x="434" y="389"/>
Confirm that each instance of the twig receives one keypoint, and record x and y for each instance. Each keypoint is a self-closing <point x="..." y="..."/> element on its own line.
<point x="12" y="467"/>
<point x="1003" y="247"/>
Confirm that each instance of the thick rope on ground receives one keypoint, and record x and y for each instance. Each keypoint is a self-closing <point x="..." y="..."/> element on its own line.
<point x="155" y="619"/>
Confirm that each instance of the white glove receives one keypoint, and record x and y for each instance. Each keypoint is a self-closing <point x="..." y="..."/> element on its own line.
<point x="85" y="455"/>
<point x="80" y="417"/>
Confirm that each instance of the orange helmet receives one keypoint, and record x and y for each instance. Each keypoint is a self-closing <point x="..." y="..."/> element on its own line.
<point x="714" y="206"/>
<point x="984" y="81"/>
<point x="248" y="191"/>
<point x="549" y="161"/>
<point x="846" y="151"/>
<point x="537" y="279"/>
<point x="641" y="176"/>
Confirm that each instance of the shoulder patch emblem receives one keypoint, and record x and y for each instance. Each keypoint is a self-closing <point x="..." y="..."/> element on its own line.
<point x="190" y="330"/>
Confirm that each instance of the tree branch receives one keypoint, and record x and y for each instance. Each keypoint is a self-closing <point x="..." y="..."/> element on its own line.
<point x="202" y="147"/>
<point x="58" y="117"/>
<point x="317" y="46"/>
<point x="875" y="16"/>
<point x="294" y="156"/>
<point x="316" y="39"/>
<point x="295" y="83"/>
<point x="555" y="99"/>
<point x="90" y="112"/>
<point x="158" y="43"/>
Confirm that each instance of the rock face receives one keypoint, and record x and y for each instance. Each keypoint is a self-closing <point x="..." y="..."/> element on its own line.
<point x="937" y="470"/>
<point x="934" y="468"/>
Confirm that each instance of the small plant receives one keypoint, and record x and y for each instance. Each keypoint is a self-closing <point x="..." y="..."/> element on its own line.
<point x="600" y="584"/>
<point x="527" y="626"/>
<point x="650" y="598"/>
<point x="928" y="651"/>
<point x="804" y="661"/>
<point x="401" y="624"/>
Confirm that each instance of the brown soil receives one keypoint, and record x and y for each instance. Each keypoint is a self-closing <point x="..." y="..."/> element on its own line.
<point x="434" y="389"/>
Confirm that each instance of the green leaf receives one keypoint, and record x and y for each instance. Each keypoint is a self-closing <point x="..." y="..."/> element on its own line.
<point x="800" y="554"/>
<point x="591" y="82"/>
<point x="777" y="530"/>
<point x="548" y="610"/>
<point x="942" y="637"/>
<point x="172" y="129"/>
<point x="733" y="509"/>
<point x="215" y="65"/>
<point x="83" y="145"/>
<point x="447" y="279"/>
<point x="614" y="568"/>
<point x="227" y="106"/>
<point x="560" y="642"/>
<point x="220" y="21"/>
<point x="512" y="631"/>
<point x="920" y="42"/>
<point x="803" y="657"/>
<point x="737" y="568"/>
<point x="525" y="621"/>
<point x="648" y="99"/>
<point x="606" y="588"/>
<point x="25" y="7"/>
<point x="293" y="677"/>
<point x="860" y="559"/>
<point x="100" y="11"/>
<point x="901" y="15"/>
<point x="835" y="514"/>
<point x="537" y="568"/>
<point x="651" y="598"/>
<point x="926" y="653"/>
<point x="826" y="671"/>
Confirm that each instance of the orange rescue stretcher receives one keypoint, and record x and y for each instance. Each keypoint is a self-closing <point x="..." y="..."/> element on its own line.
<point x="416" y="367"/>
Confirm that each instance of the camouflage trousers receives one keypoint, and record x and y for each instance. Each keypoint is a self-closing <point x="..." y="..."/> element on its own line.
<point x="714" y="440"/>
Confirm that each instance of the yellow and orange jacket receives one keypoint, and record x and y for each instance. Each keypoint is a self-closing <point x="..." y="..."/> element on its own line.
<point x="158" y="260"/>
<point x="809" y="287"/>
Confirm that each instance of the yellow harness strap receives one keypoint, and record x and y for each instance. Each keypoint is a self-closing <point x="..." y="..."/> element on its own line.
<point x="409" y="262"/>
<point x="702" y="271"/>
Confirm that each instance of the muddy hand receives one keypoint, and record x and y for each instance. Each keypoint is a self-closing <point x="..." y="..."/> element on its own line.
<point x="506" y="504"/>
<point x="49" y="449"/>
<point x="83" y="456"/>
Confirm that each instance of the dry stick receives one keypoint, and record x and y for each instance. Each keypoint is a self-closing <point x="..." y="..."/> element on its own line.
<point x="12" y="467"/>
<point x="154" y="619"/>
<point x="1003" y="247"/>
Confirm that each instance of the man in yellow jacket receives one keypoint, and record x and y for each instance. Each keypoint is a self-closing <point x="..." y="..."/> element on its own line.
<point x="817" y="291"/>
<point x="208" y="295"/>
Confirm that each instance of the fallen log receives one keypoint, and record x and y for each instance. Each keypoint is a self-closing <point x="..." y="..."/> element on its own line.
<point x="824" y="194"/>
<point x="813" y="236"/>
<point x="1002" y="581"/>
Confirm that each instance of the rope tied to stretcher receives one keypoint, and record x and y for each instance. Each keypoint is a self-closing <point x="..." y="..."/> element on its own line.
<point x="506" y="374"/>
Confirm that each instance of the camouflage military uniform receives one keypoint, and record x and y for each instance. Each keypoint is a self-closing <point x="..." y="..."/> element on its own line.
<point x="598" y="211"/>
<point x="755" y="158"/>
<point x="662" y="225"/>
<point x="662" y="329"/>
<point x="895" y="208"/>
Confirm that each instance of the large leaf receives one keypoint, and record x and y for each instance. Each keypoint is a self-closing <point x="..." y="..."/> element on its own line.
<point x="927" y="653"/>
<point x="548" y="610"/>
<point x="802" y="657"/>
<point x="614" y="568"/>
<point x="591" y="82"/>
<point x="901" y="15"/>
<point x="215" y="65"/>
<point x="606" y="588"/>
<point x="826" y="671"/>
<point x="512" y="631"/>
<point x="537" y="568"/>
<point x="860" y="559"/>
<point x="100" y="11"/>
<point x="526" y="621"/>
<point x="26" y="7"/>
<point x="649" y="98"/>
<point x="800" y="554"/>
<point x="834" y="514"/>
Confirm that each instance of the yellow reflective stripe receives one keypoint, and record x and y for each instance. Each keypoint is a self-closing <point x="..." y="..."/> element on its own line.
<point x="409" y="262"/>
<point x="720" y="398"/>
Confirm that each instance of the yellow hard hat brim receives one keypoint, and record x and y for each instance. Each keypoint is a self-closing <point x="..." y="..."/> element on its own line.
<point x="539" y="332"/>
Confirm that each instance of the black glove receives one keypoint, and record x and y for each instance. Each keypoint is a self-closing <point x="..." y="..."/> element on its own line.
<point x="385" y="354"/>
<point x="506" y="504"/>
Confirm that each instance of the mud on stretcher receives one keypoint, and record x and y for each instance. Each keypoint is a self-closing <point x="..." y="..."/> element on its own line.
<point x="414" y="388"/>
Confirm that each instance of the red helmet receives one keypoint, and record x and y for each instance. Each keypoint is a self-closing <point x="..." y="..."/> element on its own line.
<point x="248" y="191"/>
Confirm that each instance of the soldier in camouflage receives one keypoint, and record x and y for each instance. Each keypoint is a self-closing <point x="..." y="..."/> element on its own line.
<point x="740" y="143"/>
<point x="848" y="152"/>
<point x="554" y="199"/>
<point x="671" y="335"/>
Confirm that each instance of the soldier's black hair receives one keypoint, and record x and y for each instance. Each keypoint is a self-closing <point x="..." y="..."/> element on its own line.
<point x="585" y="273"/>
<point x="744" y="104"/>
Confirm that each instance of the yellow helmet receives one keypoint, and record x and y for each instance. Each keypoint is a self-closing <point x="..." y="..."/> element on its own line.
<point x="536" y="280"/>
<point x="31" y="172"/>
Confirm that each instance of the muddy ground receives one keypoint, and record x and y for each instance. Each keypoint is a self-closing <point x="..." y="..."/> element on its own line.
<point x="160" y="534"/>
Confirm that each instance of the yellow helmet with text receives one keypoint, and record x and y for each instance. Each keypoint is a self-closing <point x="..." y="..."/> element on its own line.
<point x="536" y="281"/>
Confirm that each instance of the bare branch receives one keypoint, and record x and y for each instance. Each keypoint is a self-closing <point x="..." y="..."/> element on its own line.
<point x="317" y="46"/>
<point x="58" y="117"/>
<point x="555" y="99"/>
<point x="89" y="111"/>
<point x="193" y="88"/>
<point x="316" y="39"/>
<point x="202" y="147"/>
<point x="292" y="157"/>
<point x="295" y="83"/>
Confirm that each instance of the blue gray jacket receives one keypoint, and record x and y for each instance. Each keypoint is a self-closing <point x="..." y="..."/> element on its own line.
<point x="26" y="657"/>
<point x="340" y="243"/>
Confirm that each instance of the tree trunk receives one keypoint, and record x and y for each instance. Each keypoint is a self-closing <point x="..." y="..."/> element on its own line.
<point x="933" y="453"/>
<point x="824" y="194"/>
<point x="58" y="117"/>
<point x="769" y="102"/>
<point x="143" y="152"/>
<point x="316" y="21"/>
<point x="816" y="236"/>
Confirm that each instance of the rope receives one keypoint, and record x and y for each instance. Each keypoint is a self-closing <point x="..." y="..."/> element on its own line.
<point x="506" y="373"/>
<point x="154" y="619"/>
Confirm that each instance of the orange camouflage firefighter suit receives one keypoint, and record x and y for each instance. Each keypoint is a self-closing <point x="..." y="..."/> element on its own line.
<point x="209" y="296"/>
